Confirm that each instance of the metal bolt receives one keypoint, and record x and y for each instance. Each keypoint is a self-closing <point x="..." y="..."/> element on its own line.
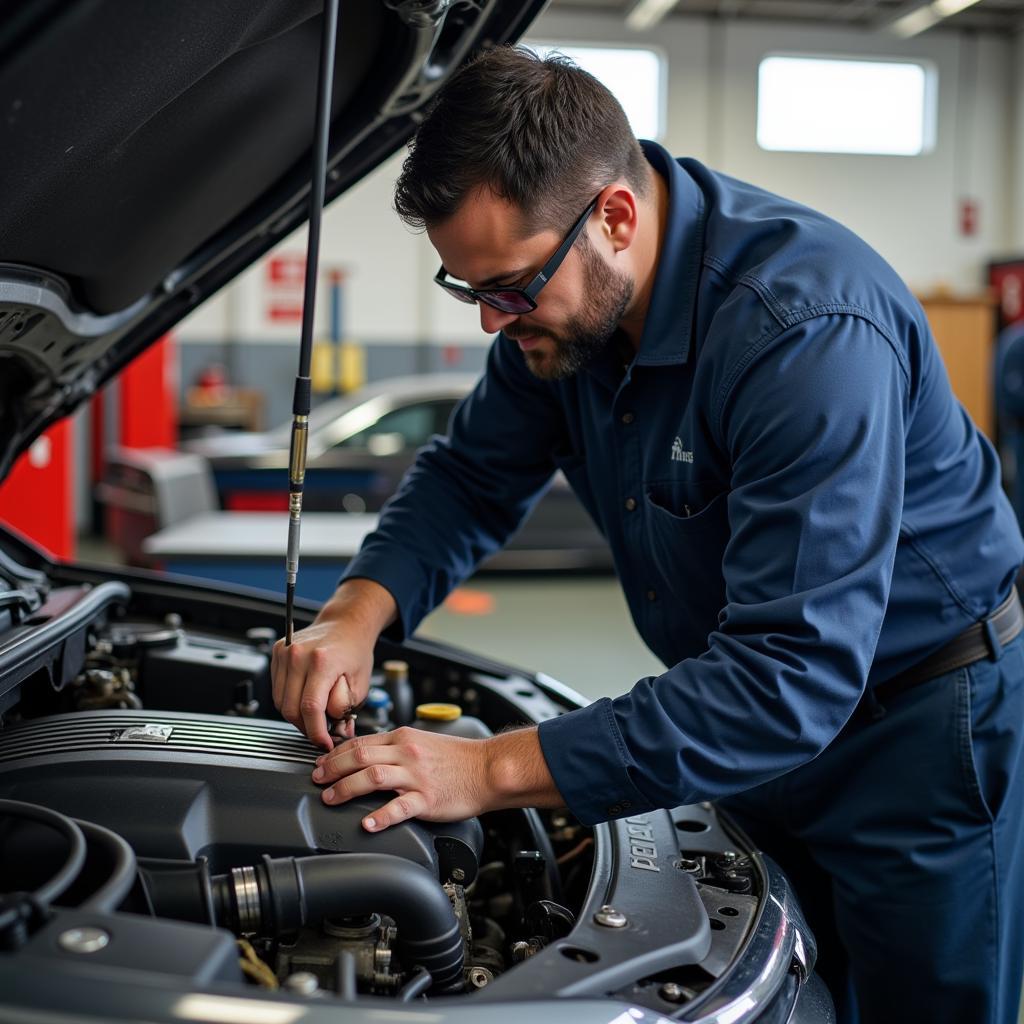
<point x="609" y="917"/>
<point x="729" y="856"/>
<point x="83" y="940"/>
<point x="479" y="977"/>
<point x="671" y="992"/>
<point x="262" y="637"/>
<point x="302" y="983"/>
<point x="458" y="875"/>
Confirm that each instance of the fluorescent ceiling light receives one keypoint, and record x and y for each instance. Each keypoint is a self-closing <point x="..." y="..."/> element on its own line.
<point x="923" y="18"/>
<point x="647" y="13"/>
<point x="914" y="23"/>
<point x="947" y="8"/>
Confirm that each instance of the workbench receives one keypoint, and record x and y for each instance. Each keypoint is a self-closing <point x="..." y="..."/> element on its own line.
<point x="248" y="548"/>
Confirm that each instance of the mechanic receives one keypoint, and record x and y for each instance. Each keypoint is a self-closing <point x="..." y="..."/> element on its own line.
<point x="808" y="528"/>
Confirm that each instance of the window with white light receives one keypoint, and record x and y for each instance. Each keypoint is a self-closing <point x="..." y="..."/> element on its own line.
<point x="635" y="77"/>
<point x="825" y="105"/>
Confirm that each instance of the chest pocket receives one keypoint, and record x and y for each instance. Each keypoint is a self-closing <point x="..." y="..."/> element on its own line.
<point x="687" y="532"/>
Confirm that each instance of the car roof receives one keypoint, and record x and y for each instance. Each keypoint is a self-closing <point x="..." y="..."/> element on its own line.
<point x="347" y="414"/>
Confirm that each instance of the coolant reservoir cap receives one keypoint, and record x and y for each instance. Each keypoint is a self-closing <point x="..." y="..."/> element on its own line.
<point x="438" y="712"/>
<point x="377" y="698"/>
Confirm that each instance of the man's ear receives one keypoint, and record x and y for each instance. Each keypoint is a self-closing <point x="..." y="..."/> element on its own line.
<point x="617" y="210"/>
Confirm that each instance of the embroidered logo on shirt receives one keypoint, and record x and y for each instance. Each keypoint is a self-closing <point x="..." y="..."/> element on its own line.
<point x="679" y="454"/>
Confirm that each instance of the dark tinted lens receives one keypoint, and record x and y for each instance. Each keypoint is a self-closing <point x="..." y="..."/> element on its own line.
<point x="457" y="293"/>
<point x="508" y="301"/>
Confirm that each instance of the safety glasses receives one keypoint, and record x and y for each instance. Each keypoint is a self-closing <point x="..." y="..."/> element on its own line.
<point x="517" y="300"/>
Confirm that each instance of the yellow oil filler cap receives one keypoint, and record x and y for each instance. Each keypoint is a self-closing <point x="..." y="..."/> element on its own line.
<point x="438" y="712"/>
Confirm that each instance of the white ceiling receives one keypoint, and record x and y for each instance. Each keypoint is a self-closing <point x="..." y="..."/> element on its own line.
<point x="999" y="16"/>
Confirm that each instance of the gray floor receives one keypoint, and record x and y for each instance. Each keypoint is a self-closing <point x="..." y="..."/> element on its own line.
<point x="575" y="629"/>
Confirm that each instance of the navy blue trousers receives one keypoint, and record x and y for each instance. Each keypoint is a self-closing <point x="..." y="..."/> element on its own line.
<point x="905" y="842"/>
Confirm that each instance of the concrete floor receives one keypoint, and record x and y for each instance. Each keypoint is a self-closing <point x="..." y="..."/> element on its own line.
<point x="576" y="629"/>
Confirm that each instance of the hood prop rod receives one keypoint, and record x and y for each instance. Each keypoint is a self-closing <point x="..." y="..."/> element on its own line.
<point x="302" y="396"/>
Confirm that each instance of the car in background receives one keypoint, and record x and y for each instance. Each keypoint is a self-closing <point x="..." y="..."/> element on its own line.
<point x="164" y="854"/>
<point x="362" y="443"/>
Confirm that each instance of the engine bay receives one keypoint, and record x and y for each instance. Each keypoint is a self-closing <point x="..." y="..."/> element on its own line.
<point x="158" y="820"/>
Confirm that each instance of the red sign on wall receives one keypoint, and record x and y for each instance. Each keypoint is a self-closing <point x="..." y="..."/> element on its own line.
<point x="283" y="285"/>
<point x="287" y="270"/>
<point x="284" y="312"/>
<point x="1007" y="277"/>
<point x="968" y="218"/>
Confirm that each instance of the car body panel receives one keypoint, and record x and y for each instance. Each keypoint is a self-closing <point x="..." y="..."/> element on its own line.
<point x="347" y="469"/>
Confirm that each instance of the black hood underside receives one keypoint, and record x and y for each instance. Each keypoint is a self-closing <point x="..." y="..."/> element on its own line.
<point x="152" y="150"/>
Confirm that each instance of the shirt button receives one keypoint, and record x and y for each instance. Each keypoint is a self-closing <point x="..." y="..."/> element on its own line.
<point x="627" y="418"/>
<point x="630" y="504"/>
<point x="652" y="595"/>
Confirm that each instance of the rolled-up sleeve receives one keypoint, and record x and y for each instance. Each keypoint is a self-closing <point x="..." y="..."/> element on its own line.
<point x="467" y="493"/>
<point x="813" y="422"/>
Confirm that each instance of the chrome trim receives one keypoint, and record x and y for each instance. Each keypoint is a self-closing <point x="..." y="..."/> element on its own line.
<point x="778" y="940"/>
<point x="41" y="291"/>
<point x="247" y="899"/>
<point x="555" y="686"/>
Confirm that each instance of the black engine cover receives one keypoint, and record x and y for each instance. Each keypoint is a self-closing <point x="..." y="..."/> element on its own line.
<point x="180" y="786"/>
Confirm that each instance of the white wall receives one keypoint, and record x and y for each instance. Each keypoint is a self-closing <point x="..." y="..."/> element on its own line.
<point x="383" y="260"/>
<point x="1017" y="163"/>
<point x="905" y="207"/>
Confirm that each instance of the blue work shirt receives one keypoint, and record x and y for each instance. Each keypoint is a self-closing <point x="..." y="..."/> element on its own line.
<point x="796" y="504"/>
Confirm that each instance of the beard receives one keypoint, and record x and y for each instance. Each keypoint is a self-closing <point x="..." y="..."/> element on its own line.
<point x="587" y="333"/>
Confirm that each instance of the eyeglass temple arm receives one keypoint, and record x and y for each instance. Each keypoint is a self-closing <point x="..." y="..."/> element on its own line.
<point x="560" y="253"/>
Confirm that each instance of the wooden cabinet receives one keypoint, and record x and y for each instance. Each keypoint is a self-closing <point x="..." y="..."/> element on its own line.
<point x="965" y="331"/>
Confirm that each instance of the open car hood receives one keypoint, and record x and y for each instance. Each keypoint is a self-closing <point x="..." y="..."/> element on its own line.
<point x="152" y="151"/>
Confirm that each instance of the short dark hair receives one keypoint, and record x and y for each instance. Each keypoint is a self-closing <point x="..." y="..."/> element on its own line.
<point x="541" y="133"/>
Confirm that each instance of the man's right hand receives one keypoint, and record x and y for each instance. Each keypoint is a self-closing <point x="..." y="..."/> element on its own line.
<point x="326" y="670"/>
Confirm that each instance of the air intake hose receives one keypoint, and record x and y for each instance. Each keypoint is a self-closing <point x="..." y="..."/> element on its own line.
<point x="283" y="894"/>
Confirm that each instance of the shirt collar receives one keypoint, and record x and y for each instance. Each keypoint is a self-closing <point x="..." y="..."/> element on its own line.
<point x="669" y="321"/>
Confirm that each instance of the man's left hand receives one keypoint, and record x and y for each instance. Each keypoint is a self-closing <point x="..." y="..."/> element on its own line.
<point x="438" y="777"/>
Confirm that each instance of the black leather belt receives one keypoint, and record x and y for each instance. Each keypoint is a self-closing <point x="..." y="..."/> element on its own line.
<point x="984" y="639"/>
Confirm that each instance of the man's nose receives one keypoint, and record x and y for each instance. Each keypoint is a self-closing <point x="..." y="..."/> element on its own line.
<point x="493" y="320"/>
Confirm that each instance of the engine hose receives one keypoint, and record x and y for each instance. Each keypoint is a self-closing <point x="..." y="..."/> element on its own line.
<point x="285" y="893"/>
<point x="109" y="896"/>
<point x="415" y="986"/>
<point x="72" y="865"/>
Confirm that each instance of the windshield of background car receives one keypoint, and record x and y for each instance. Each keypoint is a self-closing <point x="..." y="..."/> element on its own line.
<point x="408" y="427"/>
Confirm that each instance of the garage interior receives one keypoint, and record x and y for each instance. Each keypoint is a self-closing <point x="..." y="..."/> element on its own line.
<point x="949" y="218"/>
<point x="160" y="469"/>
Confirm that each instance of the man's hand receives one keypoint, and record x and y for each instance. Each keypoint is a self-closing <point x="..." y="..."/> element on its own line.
<point x="326" y="670"/>
<point x="438" y="777"/>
